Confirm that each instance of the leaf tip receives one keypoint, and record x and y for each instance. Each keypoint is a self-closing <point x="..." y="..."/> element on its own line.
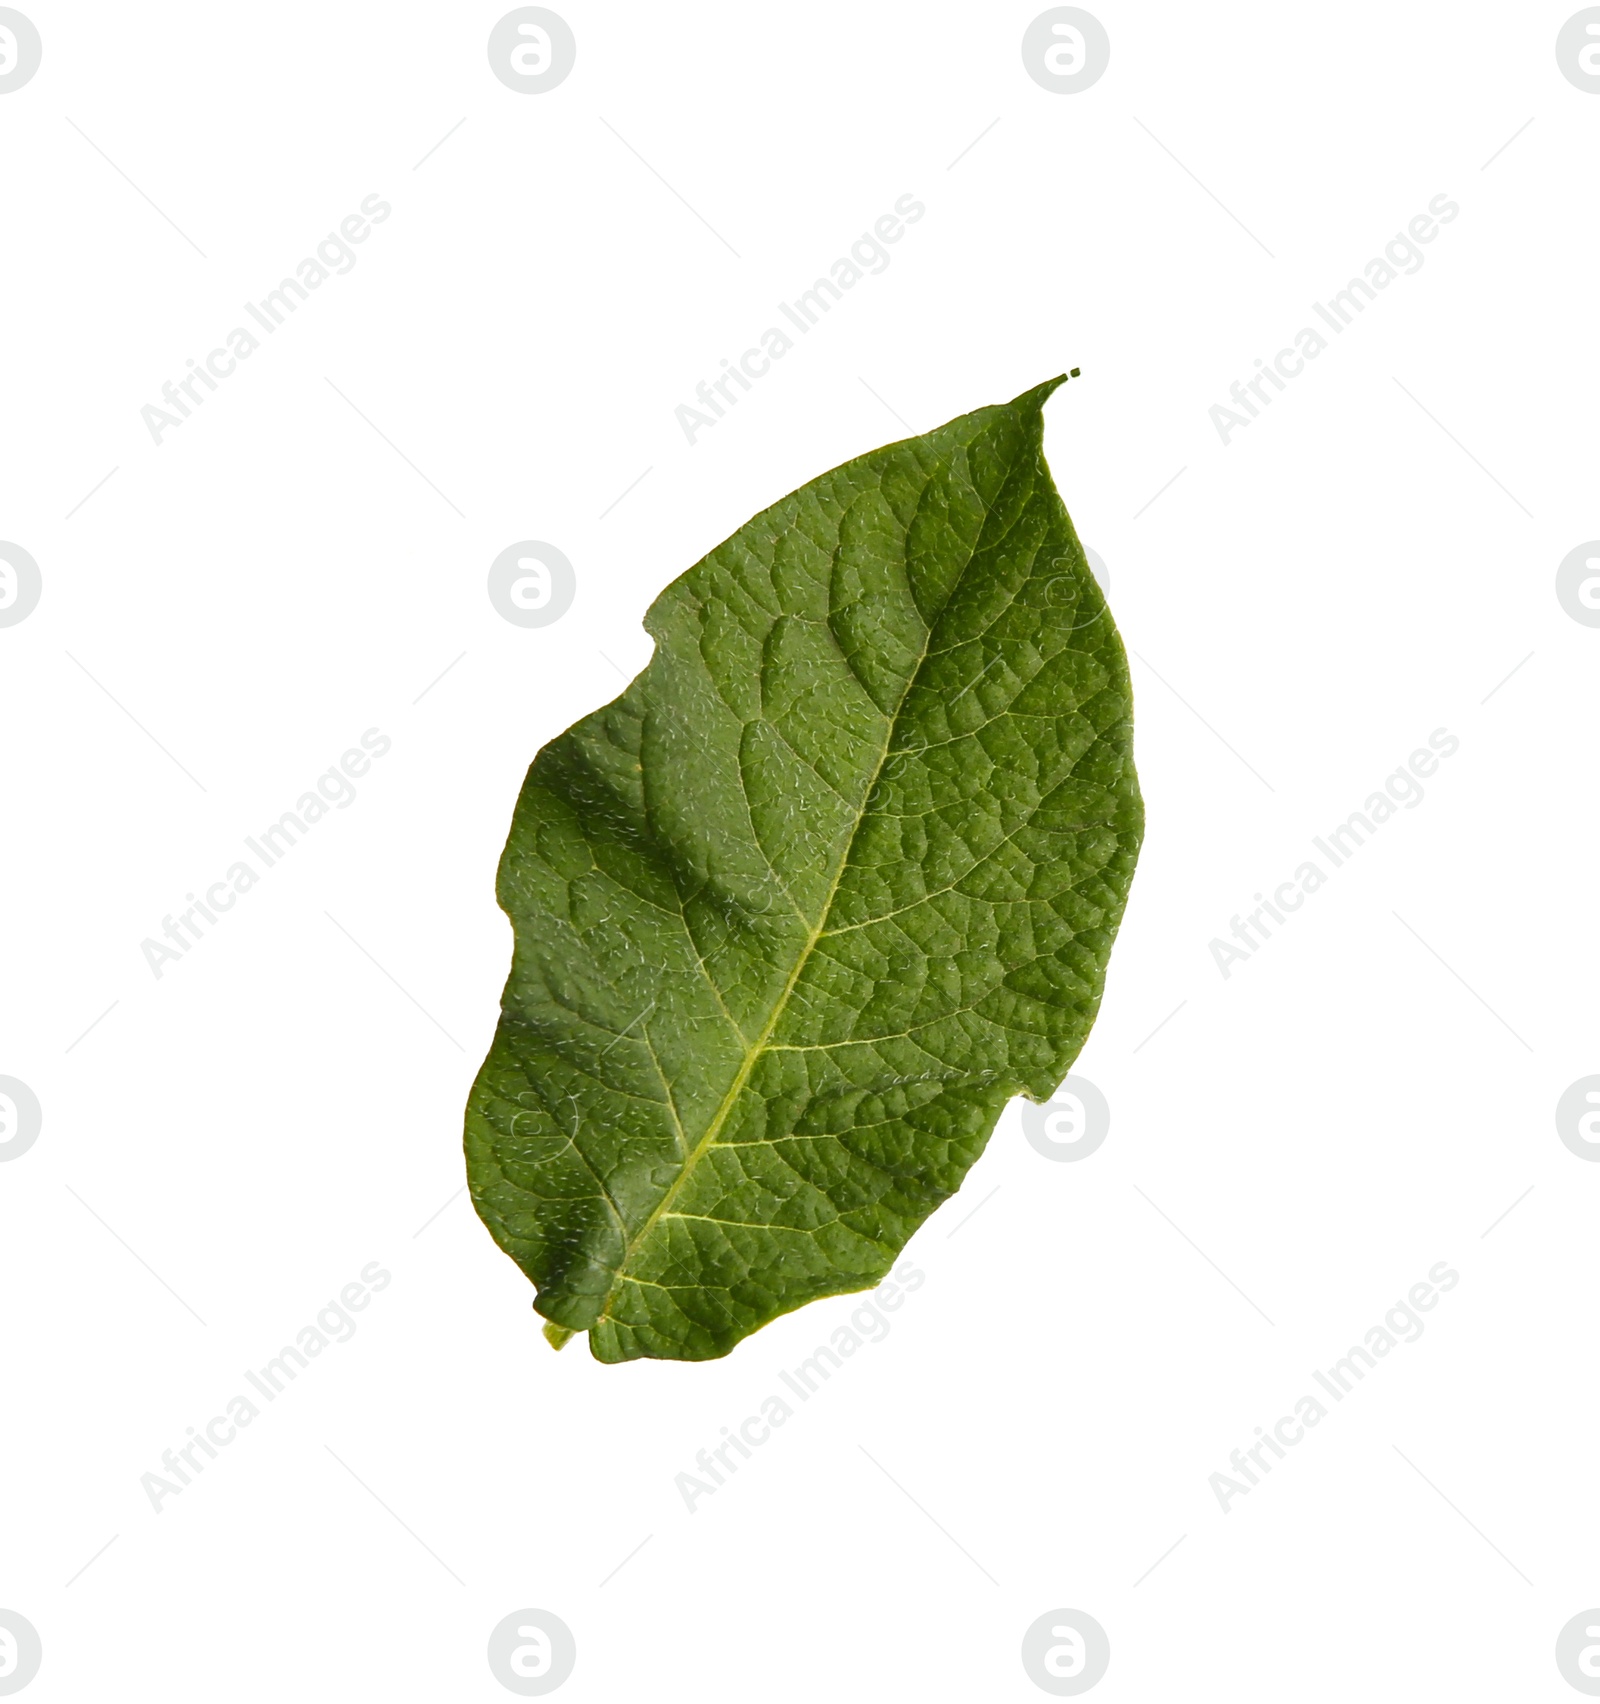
<point x="1032" y="401"/>
<point x="557" y="1336"/>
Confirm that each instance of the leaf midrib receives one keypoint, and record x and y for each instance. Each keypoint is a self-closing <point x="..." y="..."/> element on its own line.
<point x="632" y="1244"/>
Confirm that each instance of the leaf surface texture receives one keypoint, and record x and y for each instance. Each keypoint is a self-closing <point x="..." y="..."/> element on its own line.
<point x="800" y="911"/>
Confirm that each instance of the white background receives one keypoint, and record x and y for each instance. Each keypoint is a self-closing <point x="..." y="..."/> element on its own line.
<point x="1351" y="1106"/>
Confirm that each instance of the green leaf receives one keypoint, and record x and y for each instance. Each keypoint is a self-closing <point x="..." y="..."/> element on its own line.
<point x="796" y="915"/>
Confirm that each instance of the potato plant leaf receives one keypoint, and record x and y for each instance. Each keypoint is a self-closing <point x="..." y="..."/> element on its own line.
<point x="796" y="915"/>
